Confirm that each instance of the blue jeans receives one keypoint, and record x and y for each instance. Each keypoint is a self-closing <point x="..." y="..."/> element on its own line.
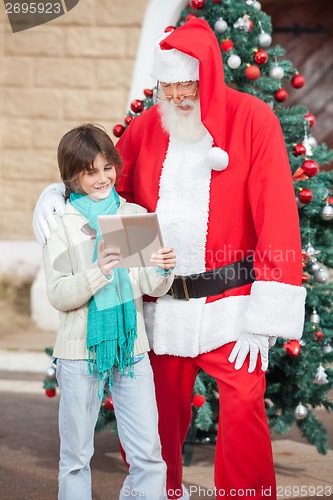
<point x="136" y="413"/>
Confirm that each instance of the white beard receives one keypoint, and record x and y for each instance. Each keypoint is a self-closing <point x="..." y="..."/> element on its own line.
<point x="183" y="125"/>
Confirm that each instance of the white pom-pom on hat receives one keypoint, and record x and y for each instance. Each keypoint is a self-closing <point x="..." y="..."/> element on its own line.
<point x="217" y="159"/>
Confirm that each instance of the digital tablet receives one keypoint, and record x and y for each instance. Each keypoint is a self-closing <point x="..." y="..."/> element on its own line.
<point x="136" y="236"/>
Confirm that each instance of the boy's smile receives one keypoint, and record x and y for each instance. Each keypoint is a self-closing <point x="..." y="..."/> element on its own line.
<point x="98" y="181"/>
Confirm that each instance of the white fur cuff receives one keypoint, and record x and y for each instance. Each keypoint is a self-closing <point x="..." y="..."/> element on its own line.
<point x="275" y="309"/>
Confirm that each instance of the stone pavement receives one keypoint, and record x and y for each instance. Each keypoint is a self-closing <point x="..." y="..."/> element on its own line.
<point x="29" y="440"/>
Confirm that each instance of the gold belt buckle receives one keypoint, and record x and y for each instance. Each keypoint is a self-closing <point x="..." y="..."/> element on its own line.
<point x="184" y="288"/>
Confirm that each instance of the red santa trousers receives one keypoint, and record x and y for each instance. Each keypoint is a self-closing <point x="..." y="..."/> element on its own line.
<point x="243" y="459"/>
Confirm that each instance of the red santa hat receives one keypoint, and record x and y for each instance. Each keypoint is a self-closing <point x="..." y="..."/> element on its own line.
<point x="191" y="52"/>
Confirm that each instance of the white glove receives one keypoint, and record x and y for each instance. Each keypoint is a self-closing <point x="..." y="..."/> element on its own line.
<point x="51" y="200"/>
<point x="253" y="344"/>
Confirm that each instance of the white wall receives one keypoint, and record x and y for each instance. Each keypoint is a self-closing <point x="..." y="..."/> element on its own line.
<point x="22" y="258"/>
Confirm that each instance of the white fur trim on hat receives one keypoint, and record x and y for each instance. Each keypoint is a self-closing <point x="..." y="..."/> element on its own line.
<point x="217" y="159"/>
<point x="173" y="66"/>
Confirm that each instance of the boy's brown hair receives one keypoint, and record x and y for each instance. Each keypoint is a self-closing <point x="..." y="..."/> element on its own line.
<point x="77" y="151"/>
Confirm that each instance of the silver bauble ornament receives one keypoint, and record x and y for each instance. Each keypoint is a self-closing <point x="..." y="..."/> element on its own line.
<point x="264" y="40"/>
<point x="220" y="26"/>
<point x="310" y="144"/>
<point x="234" y="61"/>
<point x="327" y="213"/>
<point x="315" y="266"/>
<point x="299" y="203"/>
<point x="312" y="141"/>
<point x="300" y="411"/>
<point x="315" y="318"/>
<point x="50" y="373"/>
<point x="257" y="6"/>
<point x="308" y="148"/>
<point x="327" y="349"/>
<point x="322" y="275"/>
<point x="277" y="73"/>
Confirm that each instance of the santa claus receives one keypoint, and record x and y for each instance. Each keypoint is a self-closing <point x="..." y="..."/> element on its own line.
<point x="212" y="163"/>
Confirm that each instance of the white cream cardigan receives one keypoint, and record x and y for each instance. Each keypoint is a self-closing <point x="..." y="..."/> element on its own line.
<point x="72" y="280"/>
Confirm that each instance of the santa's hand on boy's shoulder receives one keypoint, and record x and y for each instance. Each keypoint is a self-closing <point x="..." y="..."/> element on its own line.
<point x="107" y="258"/>
<point x="51" y="201"/>
<point x="164" y="258"/>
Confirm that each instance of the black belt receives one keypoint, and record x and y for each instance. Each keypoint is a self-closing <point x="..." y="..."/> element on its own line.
<point x="213" y="282"/>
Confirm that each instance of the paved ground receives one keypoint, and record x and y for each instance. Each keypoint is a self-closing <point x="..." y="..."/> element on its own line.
<point x="29" y="441"/>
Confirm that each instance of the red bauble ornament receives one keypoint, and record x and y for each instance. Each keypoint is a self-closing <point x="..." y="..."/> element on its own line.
<point x="261" y="57"/>
<point x="190" y="16"/>
<point x="118" y="130"/>
<point x="319" y="335"/>
<point x="305" y="196"/>
<point x="108" y="404"/>
<point x="292" y="347"/>
<point x="169" y="29"/>
<point x="128" y="119"/>
<point x="250" y="25"/>
<point x="137" y="106"/>
<point x="197" y="4"/>
<point x="299" y="150"/>
<point x="297" y="81"/>
<point x="50" y="392"/>
<point x="311" y="119"/>
<point x="198" y="400"/>
<point x="227" y="45"/>
<point x="281" y="95"/>
<point x="148" y="92"/>
<point x="252" y="72"/>
<point x="305" y="278"/>
<point x="330" y="200"/>
<point x="310" y="167"/>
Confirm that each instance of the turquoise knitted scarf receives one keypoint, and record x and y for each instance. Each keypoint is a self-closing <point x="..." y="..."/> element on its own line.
<point x="111" y="329"/>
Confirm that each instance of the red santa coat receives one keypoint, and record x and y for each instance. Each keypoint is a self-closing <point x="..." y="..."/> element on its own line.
<point x="251" y="210"/>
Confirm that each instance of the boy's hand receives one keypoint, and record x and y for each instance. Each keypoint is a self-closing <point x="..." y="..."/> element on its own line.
<point x="164" y="258"/>
<point x="107" y="258"/>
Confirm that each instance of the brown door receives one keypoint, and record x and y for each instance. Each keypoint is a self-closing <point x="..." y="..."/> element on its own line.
<point x="305" y="29"/>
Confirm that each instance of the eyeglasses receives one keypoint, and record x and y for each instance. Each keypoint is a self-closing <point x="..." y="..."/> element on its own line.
<point x="167" y="94"/>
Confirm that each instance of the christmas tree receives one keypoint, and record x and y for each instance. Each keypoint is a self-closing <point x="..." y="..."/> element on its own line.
<point x="299" y="377"/>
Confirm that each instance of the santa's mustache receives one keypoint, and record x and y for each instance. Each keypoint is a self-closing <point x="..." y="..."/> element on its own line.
<point x="185" y="102"/>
